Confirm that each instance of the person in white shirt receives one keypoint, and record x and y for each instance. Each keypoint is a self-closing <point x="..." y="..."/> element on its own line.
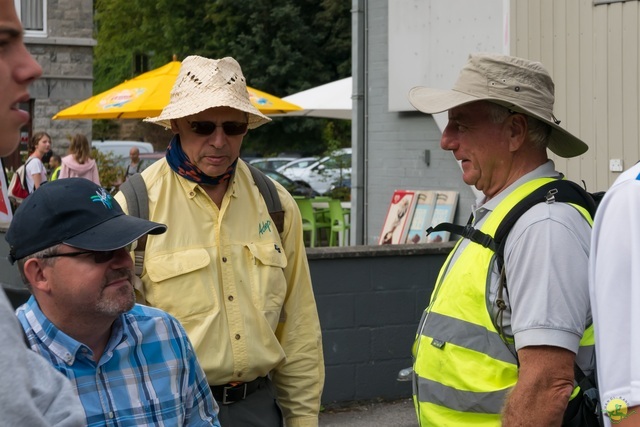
<point x="36" y="173"/>
<point x="614" y="287"/>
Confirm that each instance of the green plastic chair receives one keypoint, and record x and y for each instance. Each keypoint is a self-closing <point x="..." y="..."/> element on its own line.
<point x="310" y="222"/>
<point x="338" y="223"/>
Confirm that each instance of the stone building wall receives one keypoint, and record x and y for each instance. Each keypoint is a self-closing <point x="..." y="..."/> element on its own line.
<point x="66" y="57"/>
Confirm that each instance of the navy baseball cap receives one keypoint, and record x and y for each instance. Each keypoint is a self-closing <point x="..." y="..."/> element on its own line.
<point x="76" y="212"/>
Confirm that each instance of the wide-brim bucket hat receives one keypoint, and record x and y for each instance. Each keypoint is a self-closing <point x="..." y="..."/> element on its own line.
<point x="519" y="84"/>
<point x="205" y="83"/>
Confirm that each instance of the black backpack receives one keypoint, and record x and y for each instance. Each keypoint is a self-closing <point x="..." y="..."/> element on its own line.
<point x="584" y="409"/>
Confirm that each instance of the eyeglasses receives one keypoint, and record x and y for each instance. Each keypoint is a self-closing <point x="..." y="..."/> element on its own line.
<point x="229" y="128"/>
<point x="99" y="257"/>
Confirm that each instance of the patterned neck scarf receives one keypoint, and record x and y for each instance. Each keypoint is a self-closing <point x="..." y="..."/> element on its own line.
<point x="180" y="164"/>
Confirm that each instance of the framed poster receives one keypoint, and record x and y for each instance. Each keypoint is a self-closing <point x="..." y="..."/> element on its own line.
<point x="444" y="211"/>
<point x="422" y="214"/>
<point x="396" y="224"/>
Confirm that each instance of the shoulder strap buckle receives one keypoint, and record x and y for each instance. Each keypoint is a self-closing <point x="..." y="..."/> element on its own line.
<point x="550" y="197"/>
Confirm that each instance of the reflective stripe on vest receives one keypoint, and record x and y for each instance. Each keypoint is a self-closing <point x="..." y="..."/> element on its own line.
<point x="463" y="368"/>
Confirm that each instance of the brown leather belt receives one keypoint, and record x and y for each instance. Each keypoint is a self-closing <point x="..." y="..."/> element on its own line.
<point x="227" y="394"/>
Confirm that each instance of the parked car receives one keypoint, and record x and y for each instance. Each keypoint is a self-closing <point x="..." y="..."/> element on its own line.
<point x="296" y="188"/>
<point x="302" y="162"/>
<point x="323" y="173"/>
<point x="121" y="148"/>
<point x="148" y="159"/>
<point x="270" y="163"/>
<point x="341" y="188"/>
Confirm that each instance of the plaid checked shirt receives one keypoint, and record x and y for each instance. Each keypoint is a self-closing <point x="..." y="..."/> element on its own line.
<point x="148" y="374"/>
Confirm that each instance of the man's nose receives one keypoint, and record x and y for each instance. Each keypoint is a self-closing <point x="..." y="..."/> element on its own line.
<point x="218" y="137"/>
<point x="446" y="142"/>
<point x="122" y="258"/>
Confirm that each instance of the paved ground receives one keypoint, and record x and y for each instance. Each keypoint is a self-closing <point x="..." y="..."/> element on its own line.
<point x="384" y="414"/>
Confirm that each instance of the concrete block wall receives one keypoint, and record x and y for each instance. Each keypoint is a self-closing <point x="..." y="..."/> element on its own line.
<point x="370" y="300"/>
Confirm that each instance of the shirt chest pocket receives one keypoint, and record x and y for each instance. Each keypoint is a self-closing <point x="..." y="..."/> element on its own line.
<point x="181" y="282"/>
<point x="268" y="283"/>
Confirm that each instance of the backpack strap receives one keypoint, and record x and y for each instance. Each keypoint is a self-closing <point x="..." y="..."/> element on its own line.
<point x="560" y="190"/>
<point x="135" y="193"/>
<point x="23" y="178"/>
<point x="466" y="231"/>
<point x="270" y="195"/>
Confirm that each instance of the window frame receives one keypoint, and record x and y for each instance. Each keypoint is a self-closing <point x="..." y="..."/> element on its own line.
<point x="30" y="32"/>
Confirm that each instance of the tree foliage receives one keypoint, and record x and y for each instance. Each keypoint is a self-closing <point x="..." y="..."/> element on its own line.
<point x="283" y="46"/>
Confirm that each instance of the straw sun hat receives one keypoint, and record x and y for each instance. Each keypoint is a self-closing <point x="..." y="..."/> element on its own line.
<point x="521" y="85"/>
<point x="207" y="83"/>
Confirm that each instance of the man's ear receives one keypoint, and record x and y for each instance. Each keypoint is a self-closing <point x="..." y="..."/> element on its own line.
<point x="174" y="126"/>
<point x="517" y="129"/>
<point x="34" y="271"/>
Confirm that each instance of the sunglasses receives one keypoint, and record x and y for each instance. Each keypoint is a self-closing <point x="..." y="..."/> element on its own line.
<point x="99" y="257"/>
<point x="229" y="128"/>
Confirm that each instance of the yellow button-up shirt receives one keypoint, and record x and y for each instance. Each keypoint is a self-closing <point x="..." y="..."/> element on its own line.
<point x="242" y="291"/>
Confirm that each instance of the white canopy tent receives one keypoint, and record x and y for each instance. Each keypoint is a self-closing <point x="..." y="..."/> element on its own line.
<point x="331" y="100"/>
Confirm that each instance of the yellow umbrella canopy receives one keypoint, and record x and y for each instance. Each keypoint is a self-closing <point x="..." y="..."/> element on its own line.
<point x="147" y="94"/>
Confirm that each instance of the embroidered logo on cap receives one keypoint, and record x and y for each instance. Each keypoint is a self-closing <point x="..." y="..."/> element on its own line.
<point x="103" y="197"/>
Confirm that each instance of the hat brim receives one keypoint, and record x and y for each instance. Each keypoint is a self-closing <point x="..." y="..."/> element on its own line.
<point x="433" y="101"/>
<point x="115" y="233"/>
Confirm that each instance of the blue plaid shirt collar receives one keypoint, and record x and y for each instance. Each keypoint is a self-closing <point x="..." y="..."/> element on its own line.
<point x="62" y="345"/>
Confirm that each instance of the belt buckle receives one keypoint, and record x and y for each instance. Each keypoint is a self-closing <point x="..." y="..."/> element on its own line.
<point x="226" y="401"/>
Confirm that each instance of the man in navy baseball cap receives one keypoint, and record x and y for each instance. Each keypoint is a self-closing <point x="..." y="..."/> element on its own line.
<point x="71" y="240"/>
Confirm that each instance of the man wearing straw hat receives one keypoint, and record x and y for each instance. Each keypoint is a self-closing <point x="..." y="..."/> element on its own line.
<point x="241" y="289"/>
<point x="494" y="350"/>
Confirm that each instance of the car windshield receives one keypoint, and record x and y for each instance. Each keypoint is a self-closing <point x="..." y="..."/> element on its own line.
<point x="337" y="162"/>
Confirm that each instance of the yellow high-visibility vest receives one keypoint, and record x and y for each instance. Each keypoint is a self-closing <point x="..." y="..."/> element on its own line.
<point x="463" y="368"/>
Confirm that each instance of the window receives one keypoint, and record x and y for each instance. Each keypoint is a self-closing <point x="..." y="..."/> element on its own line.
<point x="33" y="14"/>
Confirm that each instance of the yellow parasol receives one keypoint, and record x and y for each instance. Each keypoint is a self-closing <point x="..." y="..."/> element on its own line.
<point x="147" y="94"/>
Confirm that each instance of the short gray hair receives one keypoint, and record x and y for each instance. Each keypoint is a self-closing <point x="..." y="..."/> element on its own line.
<point x="538" y="133"/>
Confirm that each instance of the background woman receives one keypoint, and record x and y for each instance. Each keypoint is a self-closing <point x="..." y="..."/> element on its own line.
<point x="39" y="145"/>
<point x="79" y="163"/>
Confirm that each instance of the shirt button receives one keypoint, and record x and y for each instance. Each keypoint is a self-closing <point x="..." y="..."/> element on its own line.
<point x="224" y="259"/>
<point x="237" y="336"/>
<point x="192" y="194"/>
<point x="111" y="415"/>
<point x="230" y="298"/>
<point x="67" y="357"/>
